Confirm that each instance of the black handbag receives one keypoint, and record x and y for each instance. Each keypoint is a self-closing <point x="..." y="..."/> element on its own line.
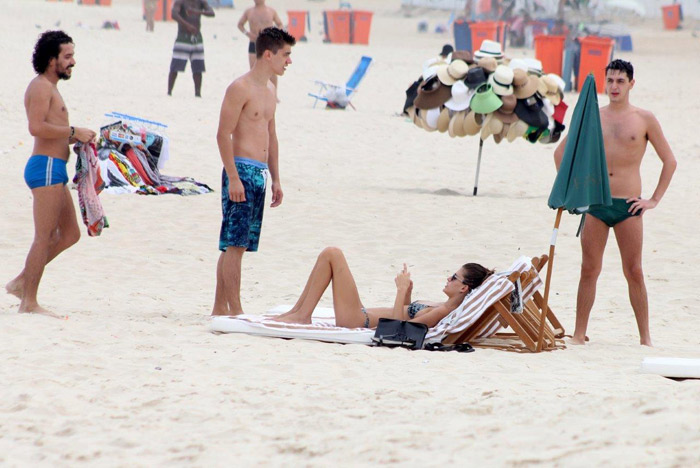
<point x="395" y="333"/>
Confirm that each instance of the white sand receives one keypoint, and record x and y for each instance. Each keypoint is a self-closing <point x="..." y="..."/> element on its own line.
<point x="133" y="377"/>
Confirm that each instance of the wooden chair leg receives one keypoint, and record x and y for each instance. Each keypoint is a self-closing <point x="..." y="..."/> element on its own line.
<point x="515" y="326"/>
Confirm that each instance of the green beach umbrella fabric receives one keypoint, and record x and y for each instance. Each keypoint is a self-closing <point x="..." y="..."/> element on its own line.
<point x="582" y="179"/>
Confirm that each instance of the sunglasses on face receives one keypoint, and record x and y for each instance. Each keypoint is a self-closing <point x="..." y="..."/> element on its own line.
<point x="455" y="277"/>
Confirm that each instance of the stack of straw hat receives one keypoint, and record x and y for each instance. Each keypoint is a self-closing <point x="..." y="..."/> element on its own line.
<point x="488" y="95"/>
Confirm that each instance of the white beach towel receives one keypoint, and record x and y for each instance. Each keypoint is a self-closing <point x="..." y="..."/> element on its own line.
<point x="322" y="327"/>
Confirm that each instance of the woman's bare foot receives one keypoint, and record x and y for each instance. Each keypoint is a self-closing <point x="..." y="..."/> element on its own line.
<point x="16" y="287"/>
<point x="286" y="314"/>
<point x="37" y="309"/>
<point x="292" y="317"/>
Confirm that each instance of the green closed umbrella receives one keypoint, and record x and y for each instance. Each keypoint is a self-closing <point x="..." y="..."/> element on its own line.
<point x="582" y="180"/>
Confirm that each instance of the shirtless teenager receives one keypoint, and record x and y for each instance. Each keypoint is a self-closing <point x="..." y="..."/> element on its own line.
<point x="55" y="223"/>
<point x="258" y="18"/>
<point x="189" y="44"/>
<point x="248" y="146"/>
<point x="626" y="130"/>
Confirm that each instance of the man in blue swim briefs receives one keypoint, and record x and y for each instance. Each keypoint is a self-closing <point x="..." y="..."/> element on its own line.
<point x="626" y="131"/>
<point x="55" y="223"/>
<point x="189" y="44"/>
<point x="248" y="147"/>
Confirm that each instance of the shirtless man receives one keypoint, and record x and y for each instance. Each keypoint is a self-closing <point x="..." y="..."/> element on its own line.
<point x="626" y="130"/>
<point x="55" y="224"/>
<point x="247" y="142"/>
<point x="258" y="18"/>
<point x="189" y="44"/>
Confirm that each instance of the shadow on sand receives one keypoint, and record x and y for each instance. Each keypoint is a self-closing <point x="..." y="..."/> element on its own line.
<point x="445" y="192"/>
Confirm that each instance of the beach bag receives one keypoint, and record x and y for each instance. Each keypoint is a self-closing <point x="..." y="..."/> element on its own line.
<point x="400" y="333"/>
<point x="336" y="98"/>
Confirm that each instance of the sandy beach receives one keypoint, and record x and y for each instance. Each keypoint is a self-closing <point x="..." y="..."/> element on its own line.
<point x="134" y="377"/>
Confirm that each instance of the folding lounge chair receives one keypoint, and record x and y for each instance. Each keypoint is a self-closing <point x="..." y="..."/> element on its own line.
<point x="525" y="324"/>
<point x="349" y="88"/>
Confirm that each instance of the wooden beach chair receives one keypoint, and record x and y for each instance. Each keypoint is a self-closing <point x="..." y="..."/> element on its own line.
<point x="349" y="88"/>
<point x="484" y="331"/>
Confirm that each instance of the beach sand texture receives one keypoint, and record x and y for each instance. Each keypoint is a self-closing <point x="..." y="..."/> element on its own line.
<point x="134" y="378"/>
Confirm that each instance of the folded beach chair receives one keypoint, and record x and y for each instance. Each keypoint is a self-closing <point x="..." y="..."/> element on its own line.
<point x="341" y="95"/>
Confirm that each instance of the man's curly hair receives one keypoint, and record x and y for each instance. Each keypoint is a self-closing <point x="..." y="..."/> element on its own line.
<point x="272" y="39"/>
<point x="48" y="47"/>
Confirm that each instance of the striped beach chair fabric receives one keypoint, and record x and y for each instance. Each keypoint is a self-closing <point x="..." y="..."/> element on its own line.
<point x="485" y="330"/>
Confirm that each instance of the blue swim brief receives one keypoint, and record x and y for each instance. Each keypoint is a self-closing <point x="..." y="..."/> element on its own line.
<point x="242" y="221"/>
<point x="42" y="171"/>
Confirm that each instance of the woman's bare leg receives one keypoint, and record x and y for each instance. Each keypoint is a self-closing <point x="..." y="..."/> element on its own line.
<point x="330" y="266"/>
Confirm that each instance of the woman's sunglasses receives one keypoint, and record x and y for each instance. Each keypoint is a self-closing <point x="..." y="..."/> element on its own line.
<point x="455" y="277"/>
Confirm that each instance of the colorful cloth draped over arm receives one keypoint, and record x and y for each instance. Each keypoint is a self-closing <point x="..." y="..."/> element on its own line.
<point x="89" y="183"/>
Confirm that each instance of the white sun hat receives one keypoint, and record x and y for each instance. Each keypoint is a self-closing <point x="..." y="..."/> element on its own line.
<point x="431" y="117"/>
<point x="461" y="95"/>
<point x="502" y="81"/>
<point x="489" y="48"/>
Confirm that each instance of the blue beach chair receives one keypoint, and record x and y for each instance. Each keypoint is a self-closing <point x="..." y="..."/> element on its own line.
<point x="346" y="91"/>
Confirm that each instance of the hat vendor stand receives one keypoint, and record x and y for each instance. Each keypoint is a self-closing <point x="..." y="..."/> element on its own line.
<point x="506" y="100"/>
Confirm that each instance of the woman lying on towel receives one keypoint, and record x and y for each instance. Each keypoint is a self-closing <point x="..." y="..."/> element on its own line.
<point x="331" y="266"/>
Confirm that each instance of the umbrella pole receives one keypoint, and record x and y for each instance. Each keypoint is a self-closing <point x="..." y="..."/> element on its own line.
<point x="545" y="306"/>
<point x="478" y="165"/>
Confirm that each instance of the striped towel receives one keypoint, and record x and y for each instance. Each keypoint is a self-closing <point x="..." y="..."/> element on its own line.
<point x="521" y="265"/>
<point x="473" y="307"/>
<point x="480" y="299"/>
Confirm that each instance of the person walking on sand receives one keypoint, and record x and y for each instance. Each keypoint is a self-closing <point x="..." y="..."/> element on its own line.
<point x="189" y="44"/>
<point x="55" y="222"/>
<point x="258" y="18"/>
<point x="248" y="147"/>
<point x="626" y="131"/>
<point x="149" y="9"/>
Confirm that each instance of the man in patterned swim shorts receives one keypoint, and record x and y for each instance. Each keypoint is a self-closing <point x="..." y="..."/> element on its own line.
<point x="248" y="147"/>
<point x="189" y="44"/>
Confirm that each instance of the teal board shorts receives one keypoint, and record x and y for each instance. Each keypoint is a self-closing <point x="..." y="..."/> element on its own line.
<point x="613" y="214"/>
<point x="241" y="222"/>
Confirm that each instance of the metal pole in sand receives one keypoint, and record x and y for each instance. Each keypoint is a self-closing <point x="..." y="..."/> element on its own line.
<point x="478" y="165"/>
